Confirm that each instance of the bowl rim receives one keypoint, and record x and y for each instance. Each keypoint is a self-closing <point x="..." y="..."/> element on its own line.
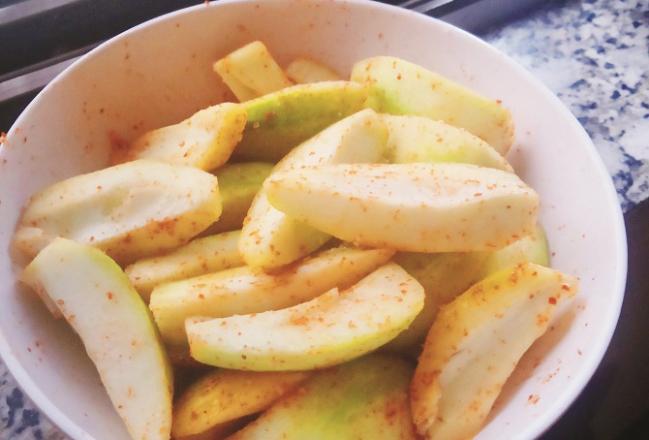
<point x="541" y="423"/>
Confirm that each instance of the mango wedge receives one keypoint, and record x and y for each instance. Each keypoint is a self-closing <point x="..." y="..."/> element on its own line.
<point x="475" y="344"/>
<point x="271" y="239"/>
<point x="205" y="140"/>
<point x="364" y="399"/>
<point x="238" y="185"/>
<point x="403" y="88"/>
<point x="115" y="326"/>
<point x="251" y="71"/>
<point x="304" y="71"/>
<point x="279" y="121"/>
<point x="419" y="139"/>
<point x="198" y="257"/>
<point x="446" y="275"/>
<point x="328" y="330"/>
<point x="244" y="290"/>
<point x="130" y="211"/>
<point x="223" y="396"/>
<point x="409" y="207"/>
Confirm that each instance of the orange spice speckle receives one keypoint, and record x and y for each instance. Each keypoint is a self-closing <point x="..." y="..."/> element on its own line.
<point x="533" y="399"/>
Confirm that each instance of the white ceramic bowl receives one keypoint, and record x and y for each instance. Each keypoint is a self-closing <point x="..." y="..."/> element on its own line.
<point x="160" y="72"/>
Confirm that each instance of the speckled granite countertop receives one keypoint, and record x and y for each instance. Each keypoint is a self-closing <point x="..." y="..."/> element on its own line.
<point x="594" y="54"/>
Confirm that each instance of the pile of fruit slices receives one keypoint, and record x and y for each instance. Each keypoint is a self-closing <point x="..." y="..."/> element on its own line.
<point x="307" y="241"/>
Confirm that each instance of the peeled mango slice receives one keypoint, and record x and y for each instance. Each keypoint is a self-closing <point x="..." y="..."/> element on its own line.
<point x="364" y="399"/>
<point x="238" y="185"/>
<point x="446" y="275"/>
<point x="475" y="344"/>
<point x="271" y="239"/>
<point x="304" y="71"/>
<point x="251" y="71"/>
<point x="198" y="257"/>
<point x="223" y="396"/>
<point x="419" y="139"/>
<point x="130" y="211"/>
<point x="403" y="88"/>
<point x="328" y="330"/>
<point x="409" y="207"/>
<point x="244" y="290"/>
<point x="279" y="121"/>
<point x="115" y="326"/>
<point x="205" y="140"/>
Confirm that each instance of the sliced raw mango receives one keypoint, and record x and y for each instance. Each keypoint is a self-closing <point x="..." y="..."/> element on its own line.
<point x="475" y="344"/>
<point x="331" y="329"/>
<point x="403" y="88"/>
<point x="223" y="396"/>
<point x="238" y="185"/>
<point x="205" y="140"/>
<point x="251" y="71"/>
<point x="364" y="399"/>
<point x="98" y="301"/>
<point x="409" y="207"/>
<point x="532" y="248"/>
<point x="198" y="257"/>
<point x="271" y="239"/>
<point x="279" y="121"/>
<point x="130" y="211"/>
<point x="419" y="139"/>
<point x="446" y="275"/>
<point x="304" y="71"/>
<point x="244" y="290"/>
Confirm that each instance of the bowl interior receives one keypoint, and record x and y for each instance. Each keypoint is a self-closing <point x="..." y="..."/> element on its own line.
<point x="161" y="72"/>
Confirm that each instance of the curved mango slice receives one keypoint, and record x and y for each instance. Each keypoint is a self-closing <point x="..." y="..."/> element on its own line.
<point x="244" y="290"/>
<point x="130" y="211"/>
<point x="328" y="330"/>
<point x="205" y="140"/>
<point x="282" y="120"/>
<point x="475" y="344"/>
<point x="198" y="257"/>
<point x="364" y="399"/>
<point x="403" y="88"/>
<point x="223" y="396"/>
<point x="271" y="239"/>
<point x="414" y="207"/>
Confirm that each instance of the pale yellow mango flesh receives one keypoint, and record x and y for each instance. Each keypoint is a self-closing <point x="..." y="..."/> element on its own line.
<point x="244" y="290"/>
<point x="304" y="71"/>
<point x="224" y="396"/>
<point x="251" y="71"/>
<point x="446" y="275"/>
<point x="238" y="185"/>
<point x="198" y="257"/>
<point x="475" y="344"/>
<point x="364" y="399"/>
<point x="271" y="239"/>
<point x="130" y="211"/>
<point x="420" y="139"/>
<point x="328" y="330"/>
<point x="414" y="207"/>
<point x="115" y="326"/>
<point x="205" y="140"/>
<point x="403" y="88"/>
<point x="280" y="121"/>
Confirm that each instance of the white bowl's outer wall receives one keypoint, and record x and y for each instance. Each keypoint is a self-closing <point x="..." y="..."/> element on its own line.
<point x="161" y="71"/>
